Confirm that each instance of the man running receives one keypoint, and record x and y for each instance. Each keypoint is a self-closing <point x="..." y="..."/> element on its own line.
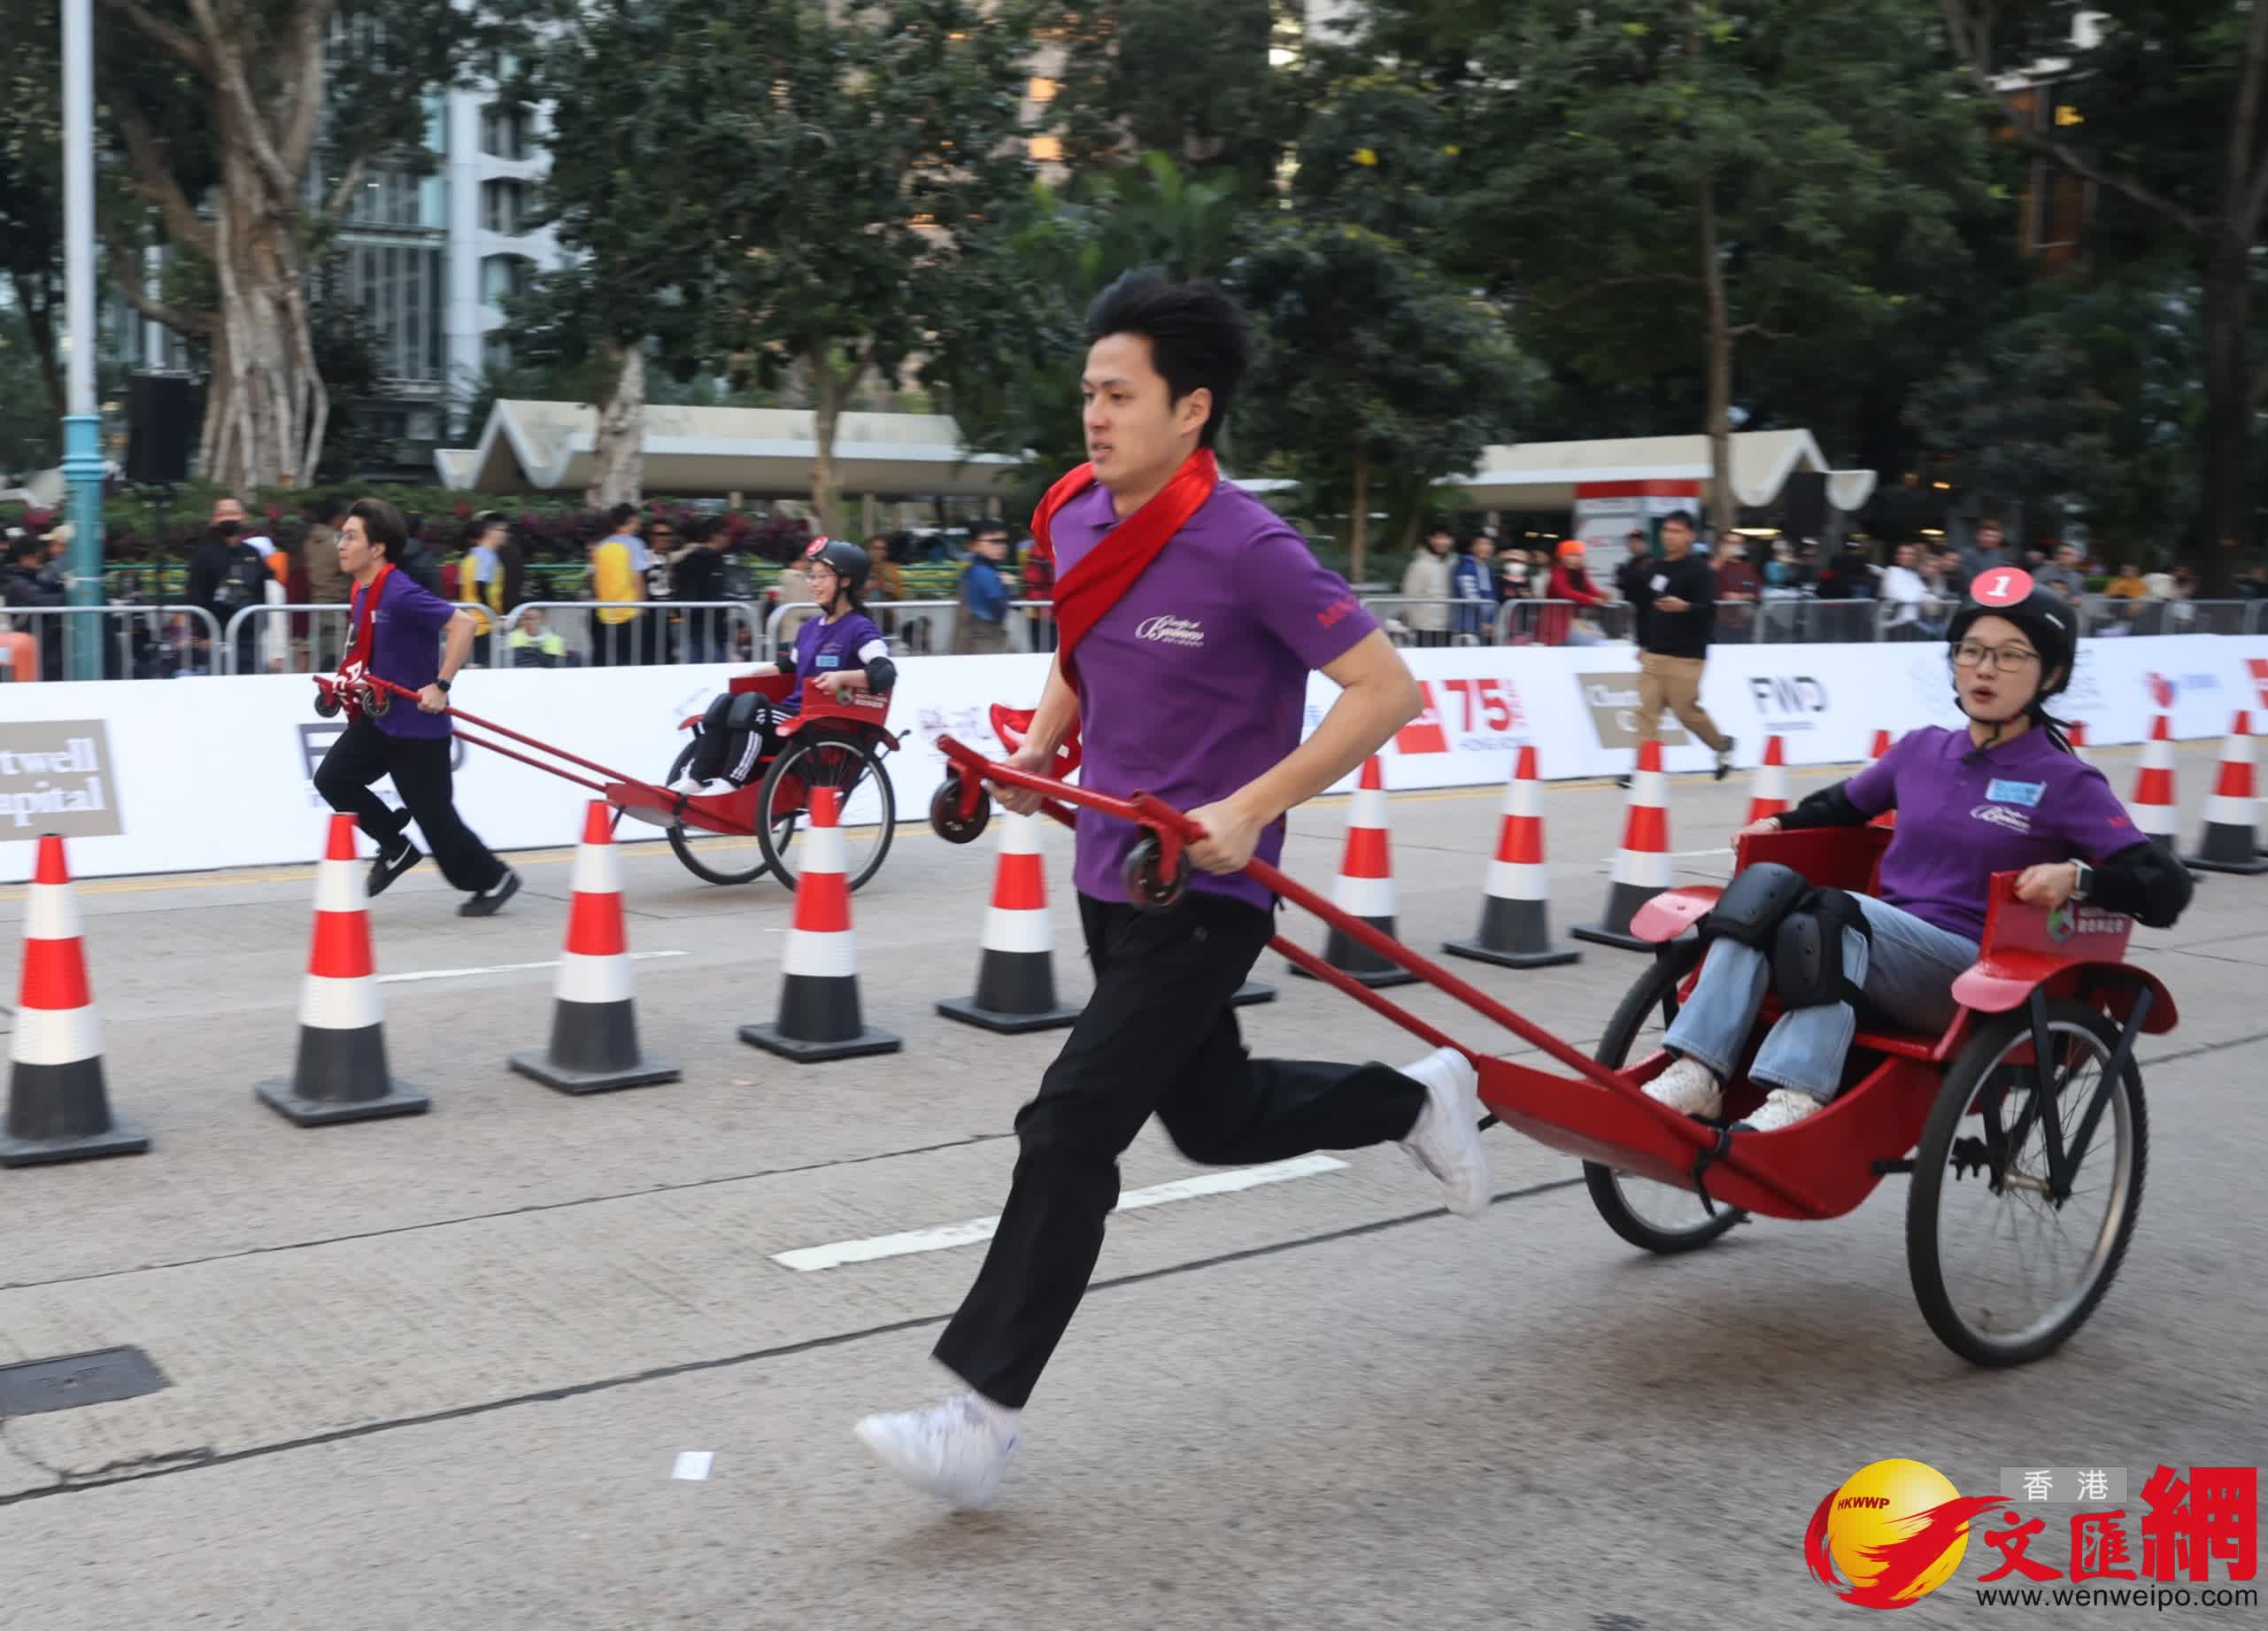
<point x="1676" y="605"/>
<point x="1190" y="616"/>
<point x="394" y="626"/>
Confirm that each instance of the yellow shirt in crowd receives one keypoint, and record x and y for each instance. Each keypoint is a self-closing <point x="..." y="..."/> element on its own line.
<point x="613" y="579"/>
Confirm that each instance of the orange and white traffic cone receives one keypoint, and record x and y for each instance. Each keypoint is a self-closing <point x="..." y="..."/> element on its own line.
<point x="58" y="1109"/>
<point x="594" y="1015"/>
<point x="2230" y="842"/>
<point x="1642" y="864"/>
<point x="1769" y="797"/>
<point x="1882" y="740"/>
<point x="2077" y="736"/>
<point x="819" y="1016"/>
<point x="341" y="1074"/>
<point x="2154" y="807"/>
<point x="1365" y="887"/>
<point x="1514" y="928"/>
<point x="1015" y="966"/>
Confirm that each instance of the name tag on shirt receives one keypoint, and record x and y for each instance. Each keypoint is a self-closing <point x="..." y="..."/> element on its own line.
<point x="2026" y="794"/>
<point x="830" y="660"/>
<point x="1659" y="583"/>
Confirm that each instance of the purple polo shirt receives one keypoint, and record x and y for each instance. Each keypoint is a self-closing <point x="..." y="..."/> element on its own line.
<point x="405" y="648"/>
<point x="1196" y="681"/>
<point x="828" y="648"/>
<point x="2024" y="803"/>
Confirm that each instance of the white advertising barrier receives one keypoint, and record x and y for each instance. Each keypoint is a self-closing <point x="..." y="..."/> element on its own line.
<point x="192" y="774"/>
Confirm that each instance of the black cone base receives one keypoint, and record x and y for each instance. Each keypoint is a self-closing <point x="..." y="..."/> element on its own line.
<point x="1251" y="993"/>
<point x="594" y="1049"/>
<point x="1359" y="963"/>
<point x="819" y="1020"/>
<point x="966" y="1010"/>
<point x="1622" y="902"/>
<point x="769" y="1038"/>
<point x="2227" y="849"/>
<point x="1513" y="934"/>
<point x="62" y="1112"/>
<point x="340" y="1076"/>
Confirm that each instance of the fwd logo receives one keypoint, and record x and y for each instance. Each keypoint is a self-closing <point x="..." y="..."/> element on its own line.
<point x="1781" y="697"/>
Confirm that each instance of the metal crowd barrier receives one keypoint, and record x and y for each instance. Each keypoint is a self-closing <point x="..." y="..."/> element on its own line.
<point x="658" y="631"/>
<point x="920" y="628"/>
<point x="1561" y="623"/>
<point x="139" y="642"/>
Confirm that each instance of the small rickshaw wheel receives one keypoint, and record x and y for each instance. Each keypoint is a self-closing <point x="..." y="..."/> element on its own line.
<point x="1653" y="1216"/>
<point x="1981" y="1189"/>
<point x="704" y="855"/>
<point x="1146" y="886"/>
<point x="326" y="705"/>
<point x="946" y="817"/>
<point x="841" y="762"/>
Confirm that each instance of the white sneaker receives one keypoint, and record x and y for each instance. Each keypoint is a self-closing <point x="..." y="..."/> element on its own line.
<point x="1689" y="1088"/>
<point x="956" y="1450"/>
<point x="1783" y="1106"/>
<point x="1446" y="1140"/>
<point x="694" y="787"/>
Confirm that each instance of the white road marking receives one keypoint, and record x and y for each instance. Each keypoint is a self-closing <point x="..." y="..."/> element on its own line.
<point x="504" y="968"/>
<point x="1689" y="855"/>
<point x="808" y="1259"/>
<point x="692" y="1464"/>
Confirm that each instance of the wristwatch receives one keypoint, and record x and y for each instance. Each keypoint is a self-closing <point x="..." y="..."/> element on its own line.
<point x="2085" y="887"/>
<point x="442" y="685"/>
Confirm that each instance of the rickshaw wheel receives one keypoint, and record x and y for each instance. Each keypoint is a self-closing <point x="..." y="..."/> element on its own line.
<point x="1653" y="1216"/>
<point x="945" y="812"/>
<point x="326" y="705"/>
<point x="840" y="762"/>
<point x="1980" y="1179"/>
<point x="705" y="865"/>
<point x="1145" y="887"/>
<point x="375" y="701"/>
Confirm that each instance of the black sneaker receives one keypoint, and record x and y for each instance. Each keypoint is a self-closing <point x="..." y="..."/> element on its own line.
<point x="1725" y="759"/>
<point x="390" y="865"/>
<point x="491" y="900"/>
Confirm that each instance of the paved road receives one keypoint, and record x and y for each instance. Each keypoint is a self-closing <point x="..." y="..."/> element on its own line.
<point x="438" y="1373"/>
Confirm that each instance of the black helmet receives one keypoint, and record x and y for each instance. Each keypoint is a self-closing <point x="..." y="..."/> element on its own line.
<point x="843" y="558"/>
<point x="2047" y="620"/>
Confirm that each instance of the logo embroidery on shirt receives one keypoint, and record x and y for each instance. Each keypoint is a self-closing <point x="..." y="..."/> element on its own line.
<point x="1338" y="610"/>
<point x="1171" y="630"/>
<point x="1999" y="815"/>
<point x="2026" y="794"/>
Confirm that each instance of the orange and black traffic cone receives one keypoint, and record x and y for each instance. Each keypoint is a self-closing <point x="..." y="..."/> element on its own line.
<point x="819" y="1015"/>
<point x="1365" y="887"/>
<point x="59" y="1107"/>
<point x="2230" y="842"/>
<point x="1015" y="965"/>
<point x="2155" y="807"/>
<point x="1515" y="915"/>
<point x="1642" y="864"/>
<point x="594" y="1015"/>
<point x="341" y="1074"/>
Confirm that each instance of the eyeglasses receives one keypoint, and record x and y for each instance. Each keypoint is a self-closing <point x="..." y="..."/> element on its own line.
<point x="1968" y="654"/>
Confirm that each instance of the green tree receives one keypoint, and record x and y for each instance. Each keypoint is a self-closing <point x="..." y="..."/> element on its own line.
<point x="31" y="186"/>
<point x="2168" y="125"/>
<point x="1633" y="174"/>
<point x="246" y="130"/>
<point x="1373" y="367"/>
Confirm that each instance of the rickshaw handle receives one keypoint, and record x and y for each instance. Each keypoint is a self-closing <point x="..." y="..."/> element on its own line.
<point x="490" y="724"/>
<point x="1176" y="829"/>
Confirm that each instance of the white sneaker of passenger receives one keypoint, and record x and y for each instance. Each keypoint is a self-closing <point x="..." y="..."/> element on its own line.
<point x="694" y="787"/>
<point x="1689" y="1088"/>
<point x="1782" y="1107"/>
<point x="956" y="1450"/>
<point x="1446" y="1140"/>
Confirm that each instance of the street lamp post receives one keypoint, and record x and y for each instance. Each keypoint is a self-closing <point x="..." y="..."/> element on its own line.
<point x="83" y="465"/>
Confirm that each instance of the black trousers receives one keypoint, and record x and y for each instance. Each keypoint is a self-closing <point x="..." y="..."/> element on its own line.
<point x="722" y="748"/>
<point x="1158" y="1036"/>
<point x="420" y="767"/>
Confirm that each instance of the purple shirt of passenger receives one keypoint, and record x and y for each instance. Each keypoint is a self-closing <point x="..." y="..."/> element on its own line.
<point x="830" y="648"/>
<point x="2023" y="803"/>
<point x="405" y="648"/>
<point x="1196" y="681"/>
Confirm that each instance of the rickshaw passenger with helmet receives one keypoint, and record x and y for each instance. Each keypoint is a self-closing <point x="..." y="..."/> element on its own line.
<point x="839" y="650"/>
<point x="2005" y="794"/>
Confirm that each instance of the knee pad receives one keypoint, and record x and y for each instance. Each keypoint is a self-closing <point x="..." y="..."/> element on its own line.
<point x="1753" y="904"/>
<point x="1808" y="950"/>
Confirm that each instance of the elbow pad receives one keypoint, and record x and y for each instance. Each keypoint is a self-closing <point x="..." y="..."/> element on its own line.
<point x="2145" y="882"/>
<point x="882" y="673"/>
<point x="1830" y="806"/>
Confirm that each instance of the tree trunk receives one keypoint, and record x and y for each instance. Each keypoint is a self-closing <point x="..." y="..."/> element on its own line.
<point x="828" y="395"/>
<point x="1357" y="533"/>
<point x="2228" y="410"/>
<point x="618" y="456"/>
<point x="38" y="308"/>
<point x="1722" y="510"/>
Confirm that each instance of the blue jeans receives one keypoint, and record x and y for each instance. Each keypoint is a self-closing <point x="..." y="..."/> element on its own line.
<point x="1907" y="977"/>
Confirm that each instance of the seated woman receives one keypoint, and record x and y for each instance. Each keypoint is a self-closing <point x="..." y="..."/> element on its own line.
<point x="2005" y="795"/>
<point x="839" y="650"/>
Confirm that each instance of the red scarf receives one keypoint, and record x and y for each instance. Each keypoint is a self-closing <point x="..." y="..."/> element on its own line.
<point x="1104" y="573"/>
<point x="365" y="606"/>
